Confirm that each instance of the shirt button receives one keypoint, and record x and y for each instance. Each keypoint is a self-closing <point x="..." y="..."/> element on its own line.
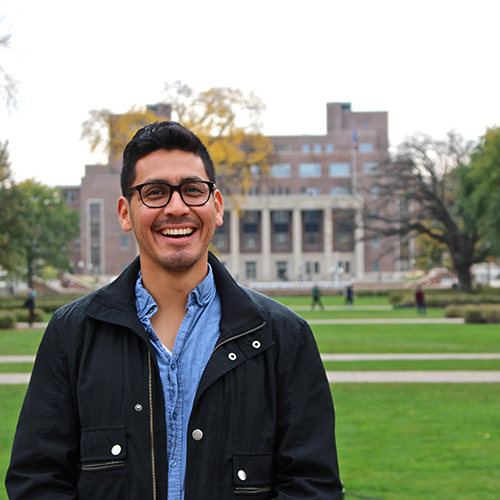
<point x="173" y="463"/>
<point x="256" y="344"/>
<point x="232" y="356"/>
<point x="174" y="416"/>
<point x="173" y="366"/>
<point x="242" y="475"/>
<point x="197" y="434"/>
<point x="138" y="407"/>
<point x="116" y="450"/>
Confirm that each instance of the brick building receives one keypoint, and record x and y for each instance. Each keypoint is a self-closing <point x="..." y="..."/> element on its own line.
<point x="300" y="224"/>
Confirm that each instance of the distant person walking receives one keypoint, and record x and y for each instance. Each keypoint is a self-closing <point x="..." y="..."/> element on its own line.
<point x="420" y="300"/>
<point x="316" y="297"/>
<point x="29" y="303"/>
<point x="349" y="295"/>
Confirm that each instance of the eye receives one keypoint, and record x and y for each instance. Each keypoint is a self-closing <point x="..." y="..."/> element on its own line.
<point x="194" y="188"/>
<point x="155" y="191"/>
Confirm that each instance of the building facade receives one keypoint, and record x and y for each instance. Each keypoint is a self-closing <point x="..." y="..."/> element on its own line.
<point x="303" y="222"/>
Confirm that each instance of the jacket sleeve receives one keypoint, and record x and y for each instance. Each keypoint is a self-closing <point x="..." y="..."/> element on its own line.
<point x="306" y="456"/>
<point x="46" y="444"/>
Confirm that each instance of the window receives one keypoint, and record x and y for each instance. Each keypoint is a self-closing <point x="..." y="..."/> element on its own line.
<point x="281" y="148"/>
<point x="251" y="270"/>
<point x="310" y="169"/>
<point x="375" y="241"/>
<point x="329" y="148"/>
<point x="311" y="191"/>
<point x="281" y="237"/>
<point x="366" y="124"/>
<point x="254" y="191"/>
<point x="96" y="232"/>
<point x="221" y="238"/>
<point x="305" y="148"/>
<point x="340" y="191"/>
<point x="343" y="230"/>
<point x="376" y="267"/>
<point x="340" y="169"/>
<point x="374" y="191"/>
<point x="282" y="270"/>
<point x="365" y="147"/>
<point x="316" y="268"/>
<point x="280" y="191"/>
<point x="312" y="230"/>
<point x="254" y="170"/>
<point x="281" y="170"/>
<point x="370" y="167"/>
<point x="250" y="231"/>
<point x="317" y="148"/>
<point x="124" y="242"/>
<point x="347" y="266"/>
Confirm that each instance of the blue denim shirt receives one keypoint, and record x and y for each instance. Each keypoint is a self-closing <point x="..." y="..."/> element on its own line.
<point x="181" y="369"/>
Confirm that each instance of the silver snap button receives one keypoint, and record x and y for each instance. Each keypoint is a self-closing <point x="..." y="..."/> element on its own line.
<point x="138" y="407"/>
<point x="197" y="434"/>
<point x="242" y="475"/>
<point x="256" y="344"/>
<point x="116" y="450"/>
<point x="232" y="356"/>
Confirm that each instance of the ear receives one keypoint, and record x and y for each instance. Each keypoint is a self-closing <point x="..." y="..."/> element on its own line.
<point x="219" y="208"/>
<point x="124" y="213"/>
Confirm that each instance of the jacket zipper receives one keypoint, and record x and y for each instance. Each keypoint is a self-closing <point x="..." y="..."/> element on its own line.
<point x="238" y="336"/>
<point x="252" y="490"/>
<point x="151" y="422"/>
<point x="102" y="465"/>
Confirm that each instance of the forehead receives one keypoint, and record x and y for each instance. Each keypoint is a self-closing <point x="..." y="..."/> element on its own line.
<point x="171" y="166"/>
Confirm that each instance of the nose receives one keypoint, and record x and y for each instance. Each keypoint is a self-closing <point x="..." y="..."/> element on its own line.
<point x="176" y="206"/>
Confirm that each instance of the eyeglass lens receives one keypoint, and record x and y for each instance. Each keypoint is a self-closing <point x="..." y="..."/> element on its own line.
<point x="192" y="193"/>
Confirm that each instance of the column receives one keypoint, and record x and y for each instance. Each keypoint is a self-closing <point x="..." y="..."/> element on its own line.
<point x="297" y="245"/>
<point x="265" y="217"/>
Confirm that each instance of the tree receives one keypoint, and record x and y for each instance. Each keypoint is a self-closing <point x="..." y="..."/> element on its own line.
<point x="225" y="119"/>
<point x="37" y="229"/>
<point x="8" y="85"/>
<point x="426" y="190"/>
<point x="485" y="174"/>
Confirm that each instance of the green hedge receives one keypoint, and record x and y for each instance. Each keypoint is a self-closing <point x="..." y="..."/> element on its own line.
<point x="445" y="299"/>
<point x="7" y="319"/>
<point x="472" y="313"/>
<point x="47" y="304"/>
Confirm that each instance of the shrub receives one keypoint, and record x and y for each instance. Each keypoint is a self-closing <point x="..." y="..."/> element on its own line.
<point x="474" y="315"/>
<point x="454" y="311"/>
<point x="7" y="319"/>
<point x="24" y="315"/>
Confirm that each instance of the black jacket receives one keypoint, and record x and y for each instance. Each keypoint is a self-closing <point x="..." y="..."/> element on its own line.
<point x="93" y="424"/>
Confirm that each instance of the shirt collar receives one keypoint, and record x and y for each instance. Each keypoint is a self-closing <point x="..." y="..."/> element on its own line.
<point x="201" y="295"/>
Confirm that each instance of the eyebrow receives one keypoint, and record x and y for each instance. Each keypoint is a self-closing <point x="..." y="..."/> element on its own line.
<point x="185" y="179"/>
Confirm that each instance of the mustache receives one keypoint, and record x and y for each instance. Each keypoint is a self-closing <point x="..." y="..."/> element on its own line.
<point x="174" y="221"/>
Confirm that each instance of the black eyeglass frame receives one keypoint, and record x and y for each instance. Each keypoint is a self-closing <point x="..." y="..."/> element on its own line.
<point x="172" y="188"/>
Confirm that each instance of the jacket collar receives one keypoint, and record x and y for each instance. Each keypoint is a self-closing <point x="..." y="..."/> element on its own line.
<point x="115" y="303"/>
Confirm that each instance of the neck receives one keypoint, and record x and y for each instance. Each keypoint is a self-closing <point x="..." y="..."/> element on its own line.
<point x="171" y="290"/>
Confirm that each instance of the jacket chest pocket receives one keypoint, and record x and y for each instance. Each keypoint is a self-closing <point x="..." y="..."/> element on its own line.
<point x="253" y="475"/>
<point x="102" y="470"/>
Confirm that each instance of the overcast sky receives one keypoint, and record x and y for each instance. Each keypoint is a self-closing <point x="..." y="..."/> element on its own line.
<point x="433" y="65"/>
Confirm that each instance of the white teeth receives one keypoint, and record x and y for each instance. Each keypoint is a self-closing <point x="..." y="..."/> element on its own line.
<point x="177" y="232"/>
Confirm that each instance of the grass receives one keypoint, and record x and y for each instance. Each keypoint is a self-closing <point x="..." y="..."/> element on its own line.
<point x="20" y="342"/>
<point x="11" y="398"/>
<point x="414" y="365"/>
<point x="408" y="338"/>
<point x="410" y="441"/>
<point x="395" y="441"/>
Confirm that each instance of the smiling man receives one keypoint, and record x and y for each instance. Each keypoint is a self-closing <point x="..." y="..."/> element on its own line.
<point x="174" y="382"/>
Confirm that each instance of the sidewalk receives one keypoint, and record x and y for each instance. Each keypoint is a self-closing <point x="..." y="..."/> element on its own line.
<point x="341" y="377"/>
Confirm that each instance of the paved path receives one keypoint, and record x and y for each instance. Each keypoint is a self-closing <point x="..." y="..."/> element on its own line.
<point x="458" y="376"/>
<point x="384" y="321"/>
<point x="425" y="377"/>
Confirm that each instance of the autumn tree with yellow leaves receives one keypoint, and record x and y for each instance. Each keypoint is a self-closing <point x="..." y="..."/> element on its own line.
<point x="225" y="119"/>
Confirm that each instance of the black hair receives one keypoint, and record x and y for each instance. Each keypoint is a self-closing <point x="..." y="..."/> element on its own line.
<point x="166" y="135"/>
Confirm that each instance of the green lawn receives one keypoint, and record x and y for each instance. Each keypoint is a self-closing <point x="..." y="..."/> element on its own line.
<point x="413" y="442"/>
<point x="395" y="441"/>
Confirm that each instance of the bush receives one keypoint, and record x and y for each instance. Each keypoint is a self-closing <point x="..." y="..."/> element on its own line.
<point x="454" y="311"/>
<point x="482" y="314"/>
<point x="7" y="319"/>
<point x="24" y="315"/>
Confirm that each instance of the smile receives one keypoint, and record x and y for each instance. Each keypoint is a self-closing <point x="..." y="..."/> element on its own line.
<point x="177" y="232"/>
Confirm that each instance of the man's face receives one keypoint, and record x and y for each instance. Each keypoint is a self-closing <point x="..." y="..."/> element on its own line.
<point x="175" y="237"/>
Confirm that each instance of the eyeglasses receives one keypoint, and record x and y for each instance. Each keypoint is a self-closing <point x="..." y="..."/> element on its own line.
<point x="158" y="194"/>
